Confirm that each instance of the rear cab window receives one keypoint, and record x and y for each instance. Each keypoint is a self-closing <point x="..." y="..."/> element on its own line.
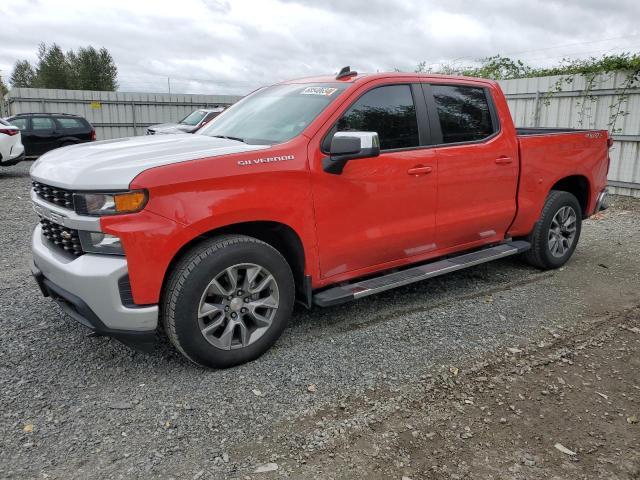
<point x="464" y="113"/>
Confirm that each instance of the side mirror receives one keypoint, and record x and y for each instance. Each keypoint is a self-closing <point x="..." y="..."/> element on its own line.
<point x="347" y="146"/>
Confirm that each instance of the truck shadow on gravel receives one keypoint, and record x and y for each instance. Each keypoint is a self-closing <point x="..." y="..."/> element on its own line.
<point x="482" y="280"/>
<point x="321" y="323"/>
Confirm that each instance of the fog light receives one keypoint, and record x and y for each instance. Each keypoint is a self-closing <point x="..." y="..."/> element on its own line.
<point x="98" y="242"/>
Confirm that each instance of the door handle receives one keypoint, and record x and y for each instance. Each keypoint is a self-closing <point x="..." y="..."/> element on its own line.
<point x="419" y="170"/>
<point x="504" y="160"/>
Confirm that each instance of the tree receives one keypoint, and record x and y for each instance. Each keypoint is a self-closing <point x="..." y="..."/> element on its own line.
<point x="53" y="69"/>
<point x="498" y="68"/>
<point x="93" y="69"/>
<point x="86" y="69"/>
<point x="3" y="89"/>
<point x="23" y="74"/>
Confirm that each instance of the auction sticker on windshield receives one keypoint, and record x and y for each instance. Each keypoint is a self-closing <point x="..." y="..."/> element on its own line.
<point x="325" y="91"/>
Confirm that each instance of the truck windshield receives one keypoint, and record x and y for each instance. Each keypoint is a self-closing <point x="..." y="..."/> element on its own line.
<point x="274" y="114"/>
<point x="193" y="118"/>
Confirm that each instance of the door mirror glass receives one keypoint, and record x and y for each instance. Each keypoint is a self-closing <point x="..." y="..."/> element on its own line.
<point x="347" y="146"/>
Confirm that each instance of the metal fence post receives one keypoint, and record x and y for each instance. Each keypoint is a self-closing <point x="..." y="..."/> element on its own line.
<point x="536" y="113"/>
<point x="133" y="111"/>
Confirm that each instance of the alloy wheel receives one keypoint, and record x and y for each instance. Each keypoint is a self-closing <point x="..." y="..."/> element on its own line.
<point x="238" y="306"/>
<point x="562" y="231"/>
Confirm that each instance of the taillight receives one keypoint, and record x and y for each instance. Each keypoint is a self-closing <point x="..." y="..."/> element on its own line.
<point x="93" y="134"/>
<point x="9" y="131"/>
<point x="609" y="142"/>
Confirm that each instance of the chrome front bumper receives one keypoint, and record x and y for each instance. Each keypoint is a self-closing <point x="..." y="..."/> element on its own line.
<point x="88" y="285"/>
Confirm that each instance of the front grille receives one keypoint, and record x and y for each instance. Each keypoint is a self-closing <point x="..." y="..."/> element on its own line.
<point x="59" y="196"/>
<point x="63" y="237"/>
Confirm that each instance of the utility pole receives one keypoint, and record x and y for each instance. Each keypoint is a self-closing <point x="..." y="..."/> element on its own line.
<point x="169" y="84"/>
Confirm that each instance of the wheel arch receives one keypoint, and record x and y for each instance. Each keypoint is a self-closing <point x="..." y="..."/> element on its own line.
<point x="579" y="187"/>
<point x="279" y="235"/>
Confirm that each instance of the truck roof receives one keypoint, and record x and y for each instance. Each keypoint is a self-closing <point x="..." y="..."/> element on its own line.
<point x="366" y="77"/>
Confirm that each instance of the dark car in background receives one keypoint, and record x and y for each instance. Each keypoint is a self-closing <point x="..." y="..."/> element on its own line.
<point x="42" y="132"/>
<point x="189" y="124"/>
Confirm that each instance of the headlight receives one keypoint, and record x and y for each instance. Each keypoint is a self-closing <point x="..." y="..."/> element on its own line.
<point x="109" y="203"/>
<point x="98" y="242"/>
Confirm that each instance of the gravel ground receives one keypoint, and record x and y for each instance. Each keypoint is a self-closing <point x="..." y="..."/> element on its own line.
<point x="566" y="408"/>
<point x="79" y="407"/>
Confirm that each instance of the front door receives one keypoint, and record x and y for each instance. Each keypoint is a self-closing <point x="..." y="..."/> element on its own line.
<point x="379" y="209"/>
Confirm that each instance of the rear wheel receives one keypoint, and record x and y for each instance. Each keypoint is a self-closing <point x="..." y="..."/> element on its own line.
<point x="227" y="301"/>
<point x="557" y="232"/>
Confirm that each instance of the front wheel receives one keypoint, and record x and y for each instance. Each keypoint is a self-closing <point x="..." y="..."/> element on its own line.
<point x="557" y="232"/>
<point x="227" y="301"/>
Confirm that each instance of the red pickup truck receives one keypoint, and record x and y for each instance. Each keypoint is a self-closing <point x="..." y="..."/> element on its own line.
<point x="320" y="190"/>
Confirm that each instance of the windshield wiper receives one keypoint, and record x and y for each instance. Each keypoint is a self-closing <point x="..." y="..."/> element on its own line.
<point x="228" y="137"/>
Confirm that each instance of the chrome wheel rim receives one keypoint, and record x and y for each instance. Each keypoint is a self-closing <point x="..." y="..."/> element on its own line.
<point x="562" y="232"/>
<point x="238" y="306"/>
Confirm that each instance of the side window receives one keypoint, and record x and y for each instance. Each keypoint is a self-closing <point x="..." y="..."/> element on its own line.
<point x="69" y="123"/>
<point x="42" y="123"/>
<point x="390" y="111"/>
<point x="463" y="112"/>
<point x="21" y="123"/>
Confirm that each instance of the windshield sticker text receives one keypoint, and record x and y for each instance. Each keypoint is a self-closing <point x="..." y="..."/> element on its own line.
<point x="325" y="91"/>
<point x="257" y="161"/>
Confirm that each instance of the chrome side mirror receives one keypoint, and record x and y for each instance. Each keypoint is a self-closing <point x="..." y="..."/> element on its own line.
<point x="347" y="146"/>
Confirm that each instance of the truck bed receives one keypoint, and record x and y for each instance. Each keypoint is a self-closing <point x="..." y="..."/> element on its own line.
<point x="550" y="154"/>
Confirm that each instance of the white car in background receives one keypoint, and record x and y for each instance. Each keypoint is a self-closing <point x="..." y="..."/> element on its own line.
<point x="189" y="124"/>
<point x="11" y="148"/>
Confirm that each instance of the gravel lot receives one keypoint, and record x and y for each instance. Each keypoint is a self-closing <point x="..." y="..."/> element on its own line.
<point x="79" y="407"/>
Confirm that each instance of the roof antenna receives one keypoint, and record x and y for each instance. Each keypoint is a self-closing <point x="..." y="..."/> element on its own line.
<point x="346" y="72"/>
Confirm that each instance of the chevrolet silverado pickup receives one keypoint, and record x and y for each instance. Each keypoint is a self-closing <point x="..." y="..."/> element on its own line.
<point x="320" y="190"/>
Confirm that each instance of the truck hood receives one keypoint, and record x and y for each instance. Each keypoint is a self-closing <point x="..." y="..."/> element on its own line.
<point x="113" y="164"/>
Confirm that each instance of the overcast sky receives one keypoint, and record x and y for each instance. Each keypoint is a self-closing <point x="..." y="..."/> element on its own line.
<point x="234" y="46"/>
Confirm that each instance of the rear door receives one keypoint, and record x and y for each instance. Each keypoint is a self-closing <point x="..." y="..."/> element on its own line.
<point x="477" y="165"/>
<point x="71" y="130"/>
<point x="43" y="135"/>
<point x="379" y="209"/>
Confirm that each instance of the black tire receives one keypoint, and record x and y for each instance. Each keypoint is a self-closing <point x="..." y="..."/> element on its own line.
<point x="540" y="255"/>
<point x="185" y="287"/>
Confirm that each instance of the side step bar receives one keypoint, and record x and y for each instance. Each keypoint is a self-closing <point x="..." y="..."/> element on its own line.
<point x="352" y="291"/>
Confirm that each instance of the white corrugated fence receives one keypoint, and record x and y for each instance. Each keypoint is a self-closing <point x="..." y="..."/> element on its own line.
<point x="585" y="103"/>
<point x="113" y="114"/>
